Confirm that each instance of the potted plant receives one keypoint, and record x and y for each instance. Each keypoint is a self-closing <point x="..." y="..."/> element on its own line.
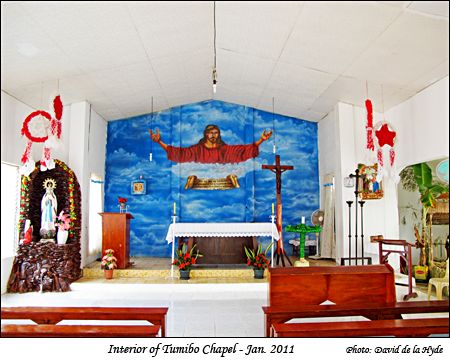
<point x="185" y="259"/>
<point x="429" y="192"/>
<point x="63" y="222"/>
<point x="258" y="260"/>
<point x="109" y="263"/>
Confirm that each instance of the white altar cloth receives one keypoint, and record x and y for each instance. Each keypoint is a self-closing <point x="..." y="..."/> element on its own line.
<point x="221" y="229"/>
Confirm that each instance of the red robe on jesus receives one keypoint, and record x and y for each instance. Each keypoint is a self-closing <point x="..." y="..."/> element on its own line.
<point x="222" y="154"/>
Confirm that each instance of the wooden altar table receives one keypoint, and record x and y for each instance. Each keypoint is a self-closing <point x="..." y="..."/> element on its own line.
<point x="221" y="243"/>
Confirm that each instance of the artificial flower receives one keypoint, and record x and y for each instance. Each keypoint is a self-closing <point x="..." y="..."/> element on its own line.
<point x="259" y="258"/>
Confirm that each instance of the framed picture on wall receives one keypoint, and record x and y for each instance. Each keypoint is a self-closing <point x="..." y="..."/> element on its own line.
<point x="370" y="188"/>
<point x="138" y="187"/>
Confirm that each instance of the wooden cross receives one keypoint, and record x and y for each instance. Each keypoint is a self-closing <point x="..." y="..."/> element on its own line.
<point x="278" y="169"/>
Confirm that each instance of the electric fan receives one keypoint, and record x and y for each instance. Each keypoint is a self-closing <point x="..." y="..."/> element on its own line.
<point x="317" y="219"/>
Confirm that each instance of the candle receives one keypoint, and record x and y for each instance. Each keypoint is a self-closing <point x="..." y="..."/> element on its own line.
<point x="273" y="208"/>
<point x="174" y="208"/>
<point x="303" y="219"/>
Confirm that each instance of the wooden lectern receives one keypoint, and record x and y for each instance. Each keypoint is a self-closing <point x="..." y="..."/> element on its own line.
<point x="116" y="236"/>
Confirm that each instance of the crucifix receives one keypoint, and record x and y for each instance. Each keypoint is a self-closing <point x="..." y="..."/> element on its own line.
<point x="278" y="169"/>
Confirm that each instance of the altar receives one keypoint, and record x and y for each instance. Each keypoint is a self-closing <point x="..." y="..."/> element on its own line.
<point x="221" y="243"/>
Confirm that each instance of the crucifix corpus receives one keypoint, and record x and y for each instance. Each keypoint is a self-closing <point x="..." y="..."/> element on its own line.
<point x="278" y="169"/>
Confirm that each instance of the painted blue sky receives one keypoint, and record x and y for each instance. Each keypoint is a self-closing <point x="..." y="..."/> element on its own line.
<point x="127" y="158"/>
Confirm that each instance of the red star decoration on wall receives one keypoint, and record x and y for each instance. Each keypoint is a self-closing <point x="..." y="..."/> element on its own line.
<point x="385" y="136"/>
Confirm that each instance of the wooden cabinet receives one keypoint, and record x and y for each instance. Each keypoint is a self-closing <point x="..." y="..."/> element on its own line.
<point x="116" y="236"/>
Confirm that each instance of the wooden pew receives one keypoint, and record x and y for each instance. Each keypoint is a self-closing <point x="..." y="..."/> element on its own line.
<point x="356" y="290"/>
<point x="278" y="315"/>
<point x="53" y="315"/>
<point x="76" y="331"/>
<point x="403" y="327"/>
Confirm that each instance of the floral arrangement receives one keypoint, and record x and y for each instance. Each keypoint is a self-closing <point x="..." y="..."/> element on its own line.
<point x="63" y="221"/>
<point x="122" y="200"/>
<point x="109" y="260"/>
<point x="259" y="258"/>
<point x="185" y="259"/>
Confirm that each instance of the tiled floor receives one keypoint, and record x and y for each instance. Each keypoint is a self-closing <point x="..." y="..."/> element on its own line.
<point x="225" y="308"/>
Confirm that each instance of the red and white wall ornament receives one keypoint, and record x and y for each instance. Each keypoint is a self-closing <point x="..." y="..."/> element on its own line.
<point x="41" y="127"/>
<point x="386" y="137"/>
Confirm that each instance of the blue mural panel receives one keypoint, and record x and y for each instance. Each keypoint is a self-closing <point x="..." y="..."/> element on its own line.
<point x="127" y="160"/>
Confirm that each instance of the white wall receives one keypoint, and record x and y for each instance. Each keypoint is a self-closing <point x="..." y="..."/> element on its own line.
<point x="86" y="155"/>
<point x="421" y="124"/>
<point x="96" y="164"/>
<point x="327" y="142"/>
<point x="14" y="113"/>
<point x="83" y="149"/>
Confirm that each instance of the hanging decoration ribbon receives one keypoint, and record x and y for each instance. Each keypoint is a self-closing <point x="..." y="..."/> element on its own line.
<point x="56" y="123"/>
<point x="369" y="126"/>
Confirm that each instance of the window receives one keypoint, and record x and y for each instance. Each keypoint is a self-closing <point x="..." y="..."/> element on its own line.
<point x="10" y="208"/>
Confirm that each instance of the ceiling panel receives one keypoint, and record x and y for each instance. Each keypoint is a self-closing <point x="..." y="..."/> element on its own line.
<point x="306" y="55"/>
<point x="402" y="52"/>
<point x="329" y="37"/>
<point x="259" y="30"/>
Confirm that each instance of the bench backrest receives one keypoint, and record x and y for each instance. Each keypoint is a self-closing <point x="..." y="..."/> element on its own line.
<point x="369" y="284"/>
<point x="403" y="327"/>
<point x="56" y="314"/>
<point x="53" y="315"/>
<point x="74" y="331"/>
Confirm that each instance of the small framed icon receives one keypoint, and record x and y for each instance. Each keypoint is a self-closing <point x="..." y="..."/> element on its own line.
<point x="138" y="187"/>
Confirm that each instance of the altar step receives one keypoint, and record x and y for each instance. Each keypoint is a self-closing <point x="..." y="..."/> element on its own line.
<point x="203" y="273"/>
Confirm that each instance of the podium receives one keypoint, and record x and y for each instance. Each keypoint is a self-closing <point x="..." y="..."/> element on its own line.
<point x="116" y="236"/>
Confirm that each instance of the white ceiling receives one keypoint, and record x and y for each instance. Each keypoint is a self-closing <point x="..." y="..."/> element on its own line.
<point x="305" y="55"/>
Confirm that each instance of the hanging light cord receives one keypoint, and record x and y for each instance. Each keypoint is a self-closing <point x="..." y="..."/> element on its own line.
<point x="214" y="74"/>
<point x="273" y="127"/>
<point x="151" y="127"/>
<point x="215" y="50"/>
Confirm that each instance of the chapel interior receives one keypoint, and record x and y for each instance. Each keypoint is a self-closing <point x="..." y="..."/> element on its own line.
<point x="253" y="162"/>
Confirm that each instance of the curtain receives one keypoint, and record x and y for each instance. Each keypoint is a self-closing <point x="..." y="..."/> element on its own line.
<point x="327" y="237"/>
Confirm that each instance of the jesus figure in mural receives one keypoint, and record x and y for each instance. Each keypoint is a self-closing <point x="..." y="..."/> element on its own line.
<point x="211" y="149"/>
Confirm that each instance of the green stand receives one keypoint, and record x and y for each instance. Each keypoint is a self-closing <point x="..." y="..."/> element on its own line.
<point x="303" y="229"/>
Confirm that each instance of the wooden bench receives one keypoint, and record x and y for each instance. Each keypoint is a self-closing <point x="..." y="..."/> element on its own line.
<point x="75" y="331"/>
<point x="278" y="315"/>
<point x="367" y="291"/>
<point x="404" y="327"/>
<point x="53" y="315"/>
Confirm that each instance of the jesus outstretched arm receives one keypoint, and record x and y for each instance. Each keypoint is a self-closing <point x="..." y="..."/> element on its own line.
<point x="211" y="148"/>
<point x="156" y="137"/>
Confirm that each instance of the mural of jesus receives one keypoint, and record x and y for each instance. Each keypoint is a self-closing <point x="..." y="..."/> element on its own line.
<point x="211" y="149"/>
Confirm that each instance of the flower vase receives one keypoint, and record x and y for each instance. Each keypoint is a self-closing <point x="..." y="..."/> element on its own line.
<point x="258" y="273"/>
<point x="109" y="274"/>
<point x="184" y="274"/>
<point x="122" y="207"/>
<point x="61" y="236"/>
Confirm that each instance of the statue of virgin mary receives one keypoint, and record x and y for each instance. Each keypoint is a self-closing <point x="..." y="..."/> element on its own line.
<point x="49" y="206"/>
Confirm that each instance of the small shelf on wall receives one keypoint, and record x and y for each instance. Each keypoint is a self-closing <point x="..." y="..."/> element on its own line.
<point x="438" y="219"/>
<point x="439" y="214"/>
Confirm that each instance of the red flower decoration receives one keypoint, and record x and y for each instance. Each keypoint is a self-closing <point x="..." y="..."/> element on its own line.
<point x="122" y="200"/>
<point x="185" y="259"/>
<point x="258" y="259"/>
